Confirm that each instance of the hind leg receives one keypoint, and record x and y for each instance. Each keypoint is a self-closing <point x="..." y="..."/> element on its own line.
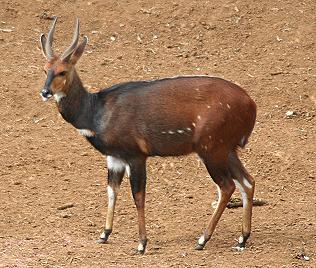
<point x="138" y="185"/>
<point x="246" y="185"/>
<point x="221" y="176"/>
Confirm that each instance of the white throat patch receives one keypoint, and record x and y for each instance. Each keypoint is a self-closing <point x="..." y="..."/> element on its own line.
<point x="59" y="95"/>
<point x="85" y="132"/>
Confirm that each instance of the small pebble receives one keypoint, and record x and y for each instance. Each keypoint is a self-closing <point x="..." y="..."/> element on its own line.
<point x="289" y="114"/>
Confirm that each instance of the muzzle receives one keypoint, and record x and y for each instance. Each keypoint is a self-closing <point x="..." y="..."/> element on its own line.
<point x="46" y="93"/>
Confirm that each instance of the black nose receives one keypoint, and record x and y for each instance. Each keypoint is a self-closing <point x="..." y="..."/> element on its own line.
<point x="46" y="93"/>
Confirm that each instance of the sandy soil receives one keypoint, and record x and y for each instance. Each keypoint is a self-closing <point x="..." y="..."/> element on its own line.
<point x="267" y="46"/>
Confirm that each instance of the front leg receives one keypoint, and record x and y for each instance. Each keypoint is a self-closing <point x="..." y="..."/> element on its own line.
<point x="138" y="185"/>
<point x="116" y="170"/>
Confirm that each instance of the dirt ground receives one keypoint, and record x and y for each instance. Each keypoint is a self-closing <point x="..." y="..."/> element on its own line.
<point x="268" y="47"/>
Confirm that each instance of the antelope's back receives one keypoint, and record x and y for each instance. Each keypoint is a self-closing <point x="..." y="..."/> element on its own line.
<point x="170" y="116"/>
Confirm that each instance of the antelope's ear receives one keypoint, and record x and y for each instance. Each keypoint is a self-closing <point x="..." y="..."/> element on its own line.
<point x="79" y="51"/>
<point x="43" y="41"/>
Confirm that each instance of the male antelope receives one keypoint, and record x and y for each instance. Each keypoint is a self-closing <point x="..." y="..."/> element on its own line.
<point x="131" y="121"/>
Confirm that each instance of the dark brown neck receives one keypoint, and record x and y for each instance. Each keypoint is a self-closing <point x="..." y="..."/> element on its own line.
<point x="76" y="107"/>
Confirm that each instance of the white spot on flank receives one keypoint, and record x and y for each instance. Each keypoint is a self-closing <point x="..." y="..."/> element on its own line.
<point x="201" y="240"/>
<point x="180" y="131"/>
<point x="247" y="183"/>
<point x="85" y="132"/>
<point x="199" y="117"/>
<point x="221" y="103"/>
<point x="189" y="129"/>
<point x="163" y="132"/>
<point x="115" y="164"/>
<point x="242" y="191"/>
<point x="197" y="89"/>
<point x="210" y="137"/>
<point x="228" y="106"/>
<point x="59" y="95"/>
<point x="171" y="132"/>
<point x="208" y="106"/>
<point x="193" y="124"/>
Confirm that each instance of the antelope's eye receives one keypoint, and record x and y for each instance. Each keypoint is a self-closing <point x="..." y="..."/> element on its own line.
<point x="62" y="73"/>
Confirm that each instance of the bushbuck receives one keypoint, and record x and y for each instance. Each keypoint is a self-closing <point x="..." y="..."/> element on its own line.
<point x="132" y="121"/>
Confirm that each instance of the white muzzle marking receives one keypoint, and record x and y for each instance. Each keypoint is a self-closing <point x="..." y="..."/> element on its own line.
<point x="45" y="98"/>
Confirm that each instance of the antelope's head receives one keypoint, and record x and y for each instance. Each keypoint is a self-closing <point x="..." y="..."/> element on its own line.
<point x="60" y="69"/>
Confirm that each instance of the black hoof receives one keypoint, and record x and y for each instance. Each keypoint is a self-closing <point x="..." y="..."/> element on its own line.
<point x="241" y="245"/>
<point x="199" y="247"/>
<point x="104" y="236"/>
